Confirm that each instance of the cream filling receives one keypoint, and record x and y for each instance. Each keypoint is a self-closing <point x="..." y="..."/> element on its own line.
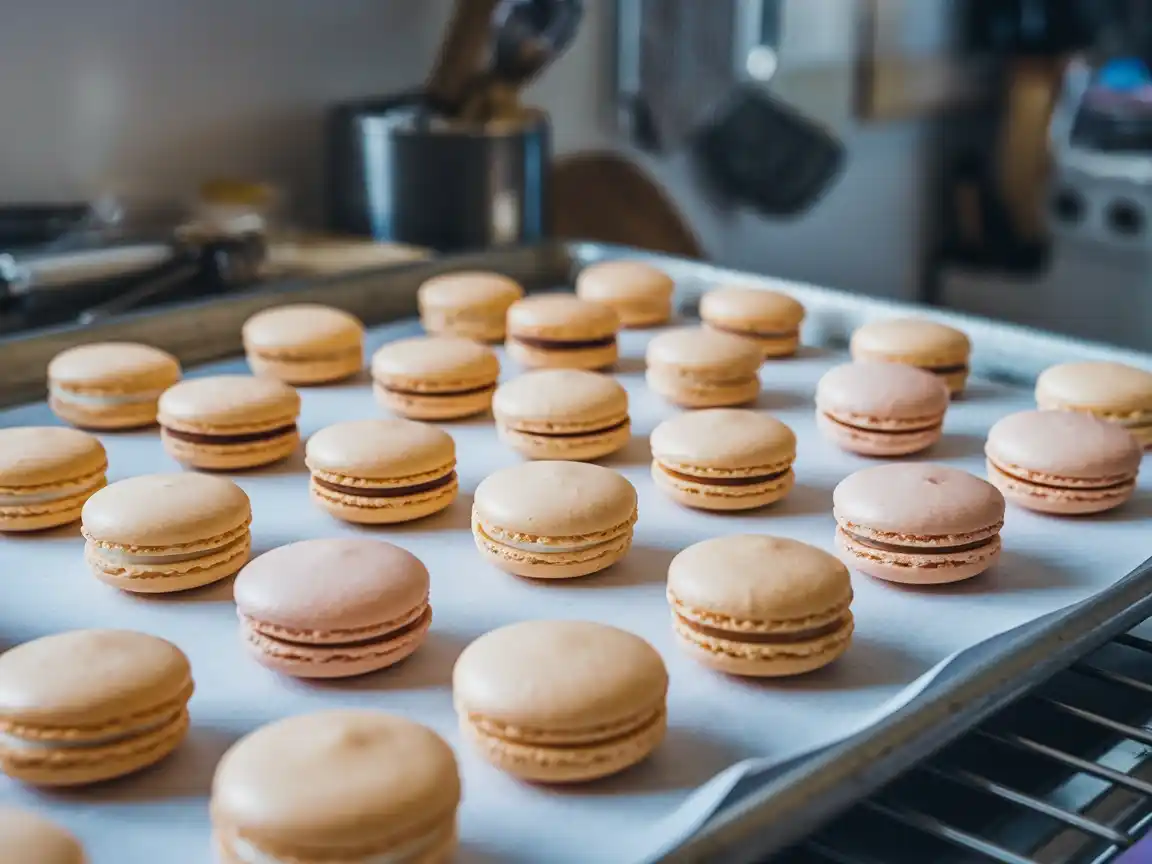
<point x="116" y="556"/>
<point x="57" y="494"/>
<point x="249" y="853"/>
<point x="14" y="742"/>
<point x="104" y="401"/>
<point x="555" y="547"/>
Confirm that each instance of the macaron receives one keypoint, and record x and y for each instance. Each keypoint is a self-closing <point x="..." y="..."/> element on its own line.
<point x="563" y="414"/>
<point x="559" y="331"/>
<point x="561" y="701"/>
<point x="229" y="422"/>
<point x="159" y="533"/>
<point x="769" y="318"/>
<point x="938" y="348"/>
<point x="881" y="409"/>
<point x="1062" y="462"/>
<point x="336" y="786"/>
<point x="26" y="838"/>
<point x="760" y="606"/>
<point x="1114" y="392"/>
<point x="435" y="377"/>
<point x="470" y="304"/>
<point x="110" y="385"/>
<point x="304" y="343"/>
<point x="46" y="475"/>
<point x="553" y="520"/>
<point x="918" y="523"/>
<point x="723" y="459"/>
<point x="89" y="705"/>
<point x="376" y="472"/>
<point x="696" y="367"/>
<point x="297" y="620"/>
<point x="640" y="293"/>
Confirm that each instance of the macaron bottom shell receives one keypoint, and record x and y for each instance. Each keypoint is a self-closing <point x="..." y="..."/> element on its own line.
<point x="576" y="447"/>
<point x="533" y="560"/>
<point x="700" y="494"/>
<point x="1044" y="497"/>
<point x="307" y="371"/>
<point x="877" y="442"/>
<point x="562" y="357"/>
<point x="388" y="510"/>
<point x="226" y="456"/>
<point x="110" y="417"/>
<point x="435" y="406"/>
<point x="918" y="565"/>
<point x="701" y="393"/>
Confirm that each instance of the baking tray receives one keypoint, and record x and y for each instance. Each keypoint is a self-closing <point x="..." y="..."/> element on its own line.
<point x="761" y="741"/>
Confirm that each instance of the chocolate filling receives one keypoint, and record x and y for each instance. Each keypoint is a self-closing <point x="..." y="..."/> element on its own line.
<point x="726" y="481"/>
<point x="398" y="633"/>
<point x="395" y="492"/>
<point x="947" y="370"/>
<point x="603" y="431"/>
<point x="766" y="638"/>
<point x="1104" y="488"/>
<point x="759" y="334"/>
<point x="202" y="438"/>
<point x="921" y="550"/>
<point x="565" y="345"/>
<point x="470" y="391"/>
<point x="918" y="430"/>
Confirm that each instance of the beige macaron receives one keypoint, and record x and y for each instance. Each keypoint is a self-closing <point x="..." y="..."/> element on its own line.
<point x="304" y="343"/>
<point x="110" y="385"/>
<point x="560" y="331"/>
<point x="696" y="367"/>
<point x="770" y="318"/>
<point x="471" y="304"/>
<point x="554" y="520"/>
<point x="89" y="705"/>
<point x="760" y="606"/>
<point x="229" y="422"/>
<point x="46" y="475"/>
<point x="640" y="293"/>
<point x="435" y="377"/>
<point x="377" y="472"/>
<point x="723" y="459"/>
<point x="336" y="786"/>
<point x="27" y="838"/>
<point x="1114" y="392"/>
<point x="561" y="701"/>
<point x="563" y="414"/>
<point x="938" y="348"/>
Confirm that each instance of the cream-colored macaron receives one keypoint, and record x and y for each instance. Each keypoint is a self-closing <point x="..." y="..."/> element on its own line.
<point x="640" y="293"/>
<point x="27" y="838"/>
<point x="435" y="377"/>
<point x="697" y="367"/>
<point x="560" y="331"/>
<point x="771" y="318"/>
<point x="46" y="475"/>
<point x="470" y="304"/>
<point x="304" y="343"/>
<point x="938" y="348"/>
<point x="563" y="414"/>
<point x="1114" y="392"/>
<point x="110" y="385"/>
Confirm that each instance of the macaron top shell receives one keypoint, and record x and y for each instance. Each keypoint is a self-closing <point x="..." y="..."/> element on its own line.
<point x="751" y="309"/>
<point x="375" y="581"/>
<point x="759" y="579"/>
<point x="560" y="394"/>
<point x="439" y="360"/>
<point x="724" y="438"/>
<point x="108" y="366"/>
<point x="562" y="316"/>
<point x="26" y="838"/>
<point x="918" y="499"/>
<point x="89" y="677"/>
<point x="699" y="348"/>
<point x="469" y="288"/>
<point x="384" y="449"/>
<point x="36" y="455"/>
<point x="303" y="325"/>
<point x="228" y="403"/>
<point x="624" y="280"/>
<point x="1112" y="387"/>
<point x="912" y="338"/>
<point x="892" y="391"/>
<point x="335" y="780"/>
<point x="155" y="510"/>
<point x="555" y="499"/>
<point x="1064" y="444"/>
<point x="558" y="675"/>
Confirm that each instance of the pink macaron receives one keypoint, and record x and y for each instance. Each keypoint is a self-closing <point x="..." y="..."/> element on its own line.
<point x="1062" y="462"/>
<point x="881" y="409"/>
<point x="918" y="523"/>
<point x="333" y="608"/>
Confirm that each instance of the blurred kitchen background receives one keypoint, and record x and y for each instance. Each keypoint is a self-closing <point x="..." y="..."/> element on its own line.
<point x="990" y="155"/>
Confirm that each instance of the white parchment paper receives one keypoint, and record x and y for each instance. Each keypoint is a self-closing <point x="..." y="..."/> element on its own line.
<point x="903" y="635"/>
